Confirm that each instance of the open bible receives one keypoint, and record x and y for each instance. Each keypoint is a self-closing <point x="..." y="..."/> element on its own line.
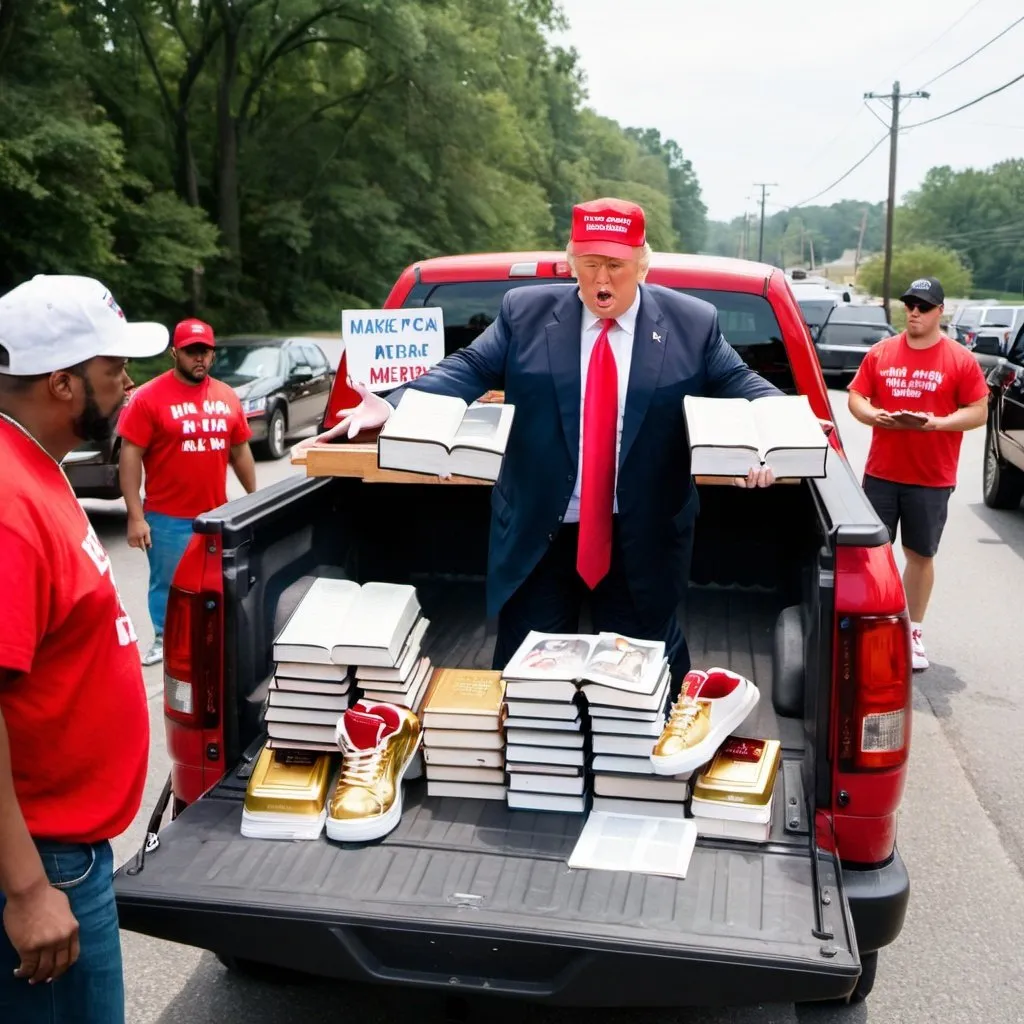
<point x="438" y="434"/>
<point x="731" y="436"/>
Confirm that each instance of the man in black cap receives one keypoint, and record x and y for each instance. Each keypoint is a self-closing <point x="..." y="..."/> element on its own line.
<point x="918" y="392"/>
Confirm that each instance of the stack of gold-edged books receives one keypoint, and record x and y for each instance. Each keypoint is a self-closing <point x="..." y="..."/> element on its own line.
<point x="734" y="796"/>
<point x="287" y="795"/>
<point x="463" y="734"/>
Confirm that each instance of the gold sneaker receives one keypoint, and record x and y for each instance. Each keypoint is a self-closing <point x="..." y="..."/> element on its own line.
<point x="378" y="743"/>
<point x="709" y="707"/>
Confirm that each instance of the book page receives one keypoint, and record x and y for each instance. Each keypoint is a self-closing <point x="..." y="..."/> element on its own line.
<point x="720" y="422"/>
<point x="629" y="842"/>
<point x="626" y="664"/>
<point x="787" y="421"/>
<point x="550" y="656"/>
<point x="421" y="416"/>
<point x="485" y="426"/>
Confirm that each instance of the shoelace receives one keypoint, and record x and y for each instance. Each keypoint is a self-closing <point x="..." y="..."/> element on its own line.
<point x="681" y="717"/>
<point x="361" y="767"/>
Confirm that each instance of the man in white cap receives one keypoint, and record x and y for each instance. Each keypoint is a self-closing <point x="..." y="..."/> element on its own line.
<point x="74" y="725"/>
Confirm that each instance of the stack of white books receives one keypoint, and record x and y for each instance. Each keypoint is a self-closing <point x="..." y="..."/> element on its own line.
<point x="337" y="624"/>
<point x="625" y="725"/>
<point x="546" y="750"/>
<point x="406" y="683"/>
<point x="463" y="740"/>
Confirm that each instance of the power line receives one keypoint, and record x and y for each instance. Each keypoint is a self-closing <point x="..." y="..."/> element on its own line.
<point x="923" y="51"/>
<point x="842" y="177"/>
<point x="961" y="63"/>
<point x="964" y="106"/>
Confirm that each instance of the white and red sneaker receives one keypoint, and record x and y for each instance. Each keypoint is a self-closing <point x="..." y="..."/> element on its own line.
<point x="378" y="743"/>
<point x="709" y="707"/>
<point x="920" y="659"/>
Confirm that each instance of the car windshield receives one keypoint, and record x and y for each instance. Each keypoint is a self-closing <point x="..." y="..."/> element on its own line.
<point x="238" y="364"/>
<point x="852" y="334"/>
<point x="815" y="311"/>
<point x="1000" y="317"/>
<point x="860" y="314"/>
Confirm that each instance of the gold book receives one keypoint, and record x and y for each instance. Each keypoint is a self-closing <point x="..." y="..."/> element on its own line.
<point x="465" y="691"/>
<point x="742" y="772"/>
<point x="289" y="782"/>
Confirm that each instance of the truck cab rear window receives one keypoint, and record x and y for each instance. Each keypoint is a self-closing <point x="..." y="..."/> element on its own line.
<point x="747" y="321"/>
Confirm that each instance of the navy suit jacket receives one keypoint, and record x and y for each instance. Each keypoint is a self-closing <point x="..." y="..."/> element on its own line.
<point x="532" y="351"/>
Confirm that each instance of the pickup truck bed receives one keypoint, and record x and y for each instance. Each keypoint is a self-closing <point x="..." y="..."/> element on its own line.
<point x="467" y="895"/>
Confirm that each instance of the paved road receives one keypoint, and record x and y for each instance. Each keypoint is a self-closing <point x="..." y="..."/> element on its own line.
<point x="961" y="955"/>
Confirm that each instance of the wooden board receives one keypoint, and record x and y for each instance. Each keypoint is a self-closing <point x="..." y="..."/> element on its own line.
<point x="360" y="461"/>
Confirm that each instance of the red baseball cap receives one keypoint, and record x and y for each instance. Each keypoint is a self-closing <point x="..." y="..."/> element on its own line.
<point x="193" y="332"/>
<point x="607" y="227"/>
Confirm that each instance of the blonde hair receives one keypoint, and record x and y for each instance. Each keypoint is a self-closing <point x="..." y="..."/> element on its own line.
<point x="642" y="254"/>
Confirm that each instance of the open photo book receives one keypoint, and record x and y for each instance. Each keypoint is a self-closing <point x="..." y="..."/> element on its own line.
<point x="438" y="434"/>
<point x="607" y="659"/>
<point x="731" y="436"/>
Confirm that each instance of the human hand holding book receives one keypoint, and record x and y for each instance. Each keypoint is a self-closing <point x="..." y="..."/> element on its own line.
<point x="370" y="414"/>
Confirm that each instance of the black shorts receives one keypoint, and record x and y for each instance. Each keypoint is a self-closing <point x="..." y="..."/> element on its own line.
<point x="920" y="512"/>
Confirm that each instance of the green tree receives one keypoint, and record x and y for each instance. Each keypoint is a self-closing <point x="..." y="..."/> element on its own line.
<point x="914" y="261"/>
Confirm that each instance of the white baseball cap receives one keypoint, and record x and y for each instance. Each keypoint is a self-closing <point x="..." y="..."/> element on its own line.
<point x="59" y="320"/>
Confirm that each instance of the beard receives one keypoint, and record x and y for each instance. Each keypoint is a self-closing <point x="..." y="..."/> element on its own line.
<point x="92" y="425"/>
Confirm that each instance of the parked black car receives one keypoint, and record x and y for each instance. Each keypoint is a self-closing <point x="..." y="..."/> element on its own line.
<point x="845" y="337"/>
<point x="1003" y="477"/>
<point x="283" y="385"/>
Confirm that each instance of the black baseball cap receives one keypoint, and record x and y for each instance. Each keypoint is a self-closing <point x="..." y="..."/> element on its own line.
<point x="927" y="289"/>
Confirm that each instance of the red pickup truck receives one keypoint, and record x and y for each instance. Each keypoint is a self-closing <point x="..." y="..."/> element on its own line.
<point x="794" y="586"/>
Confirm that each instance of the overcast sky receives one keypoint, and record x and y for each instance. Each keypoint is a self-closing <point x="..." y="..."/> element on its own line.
<point x="755" y="90"/>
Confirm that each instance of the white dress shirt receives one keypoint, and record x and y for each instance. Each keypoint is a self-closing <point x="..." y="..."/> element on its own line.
<point x="620" y="337"/>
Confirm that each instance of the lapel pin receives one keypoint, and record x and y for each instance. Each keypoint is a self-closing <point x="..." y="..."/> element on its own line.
<point x="656" y="336"/>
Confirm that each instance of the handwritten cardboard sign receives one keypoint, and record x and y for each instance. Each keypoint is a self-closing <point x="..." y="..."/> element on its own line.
<point x="389" y="347"/>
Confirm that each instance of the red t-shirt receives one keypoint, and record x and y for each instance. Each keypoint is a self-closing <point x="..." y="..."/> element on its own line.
<point x="187" y="431"/>
<point x="75" y="710"/>
<point x="936" y="380"/>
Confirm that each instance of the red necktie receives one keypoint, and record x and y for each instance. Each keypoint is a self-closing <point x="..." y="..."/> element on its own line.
<point x="597" y="491"/>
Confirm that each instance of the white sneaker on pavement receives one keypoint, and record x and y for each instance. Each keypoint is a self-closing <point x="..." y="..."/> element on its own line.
<point x="155" y="653"/>
<point x="920" y="659"/>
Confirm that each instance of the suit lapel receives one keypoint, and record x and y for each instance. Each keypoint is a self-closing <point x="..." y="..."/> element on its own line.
<point x="563" y="336"/>
<point x="650" y="339"/>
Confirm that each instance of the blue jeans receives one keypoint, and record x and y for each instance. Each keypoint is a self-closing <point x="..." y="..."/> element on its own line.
<point x="91" y="991"/>
<point x="169" y="537"/>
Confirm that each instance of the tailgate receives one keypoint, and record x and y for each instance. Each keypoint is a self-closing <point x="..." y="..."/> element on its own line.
<point x="468" y="895"/>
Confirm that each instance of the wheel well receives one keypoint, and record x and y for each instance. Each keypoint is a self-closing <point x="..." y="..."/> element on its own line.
<point x="280" y="403"/>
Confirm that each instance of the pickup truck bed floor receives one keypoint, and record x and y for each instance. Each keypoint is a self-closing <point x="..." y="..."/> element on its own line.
<point x="414" y="906"/>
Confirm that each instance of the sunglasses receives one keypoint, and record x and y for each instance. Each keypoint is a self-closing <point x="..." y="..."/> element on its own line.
<point x="923" y="307"/>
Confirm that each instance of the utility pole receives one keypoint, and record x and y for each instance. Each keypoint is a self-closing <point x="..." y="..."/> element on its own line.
<point x="894" y="127"/>
<point x="760" y="241"/>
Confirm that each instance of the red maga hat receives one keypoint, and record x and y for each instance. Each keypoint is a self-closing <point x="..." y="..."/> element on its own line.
<point x="193" y="332"/>
<point x="607" y="227"/>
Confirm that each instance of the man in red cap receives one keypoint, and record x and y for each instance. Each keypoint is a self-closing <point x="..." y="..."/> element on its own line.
<point x="595" y="496"/>
<point x="184" y="428"/>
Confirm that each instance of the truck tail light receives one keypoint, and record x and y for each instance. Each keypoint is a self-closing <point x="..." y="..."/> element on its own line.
<point x="192" y="658"/>
<point x="875" y="692"/>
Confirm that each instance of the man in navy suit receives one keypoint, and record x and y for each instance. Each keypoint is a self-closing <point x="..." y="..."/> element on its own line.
<point x="595" y="497"/>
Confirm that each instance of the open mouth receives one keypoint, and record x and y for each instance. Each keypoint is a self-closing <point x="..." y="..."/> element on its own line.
<point x="604" y="298"/>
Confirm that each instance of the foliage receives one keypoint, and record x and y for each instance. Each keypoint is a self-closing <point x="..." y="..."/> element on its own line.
<point x="914" y="261"/>
<point x="263" y="163"/>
